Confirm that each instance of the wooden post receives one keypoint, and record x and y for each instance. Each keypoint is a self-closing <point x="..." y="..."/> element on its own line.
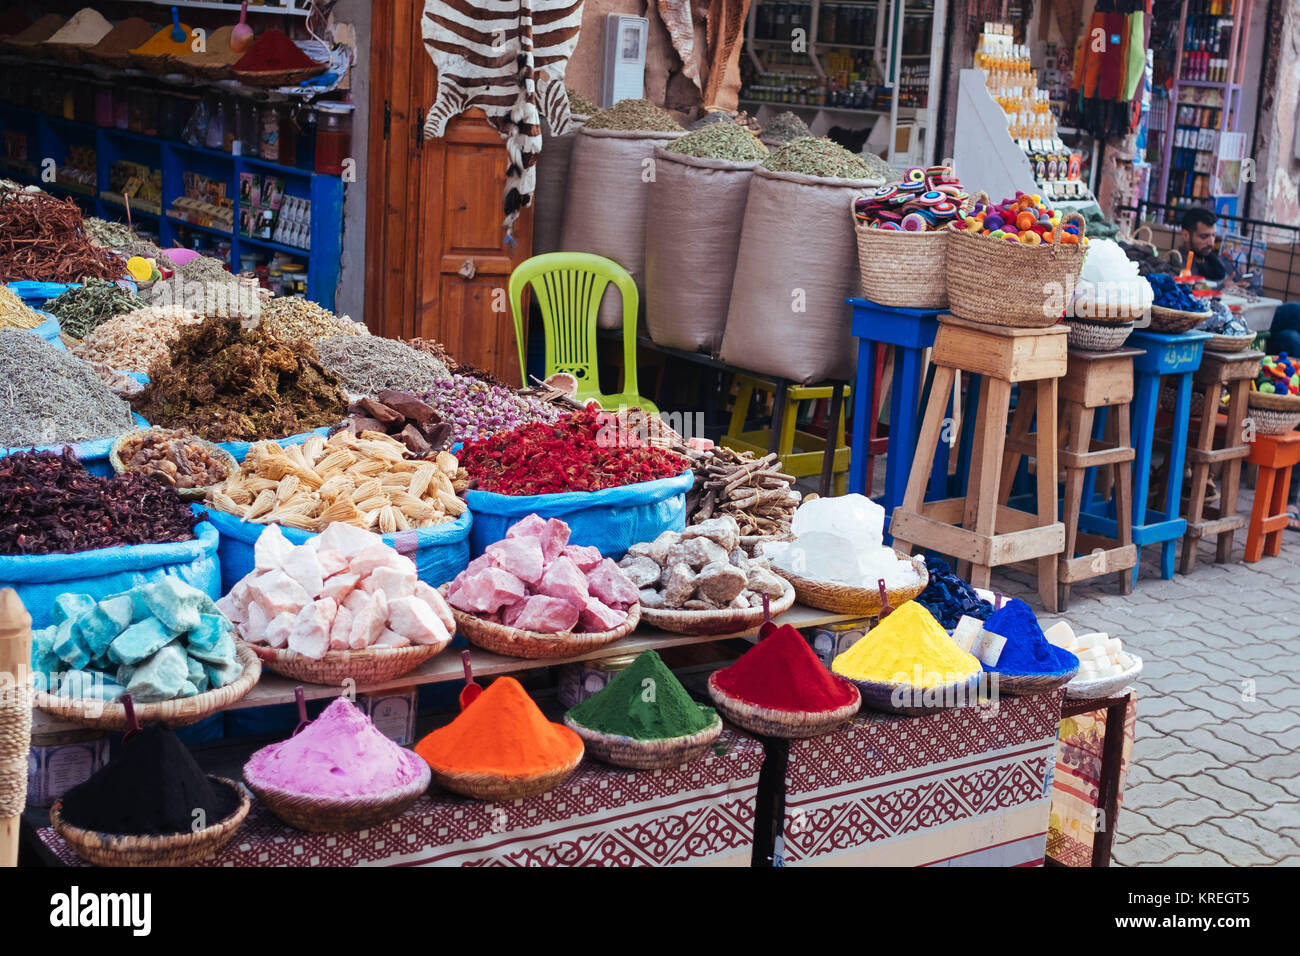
<point x="15" y="719"/>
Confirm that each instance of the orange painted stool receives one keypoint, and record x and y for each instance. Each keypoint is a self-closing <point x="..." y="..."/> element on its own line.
<point x="1275" y="455"/>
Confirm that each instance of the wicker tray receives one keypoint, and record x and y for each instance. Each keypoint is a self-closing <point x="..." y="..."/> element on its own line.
<point x="1229" y="343"/>
<point x="791" y="725"/>
<point x="338" y="814"/>
<point x="1092" y="336"/>
<point x="531" y="645"/>
<point x="1020" y="685"/>
<point x="1173" y="321"/>
<point x="907" y="269"/>
<point x="179" y="849"/>
<point x="879" y="695"/>
<point x="1274" y="402"/>
<point x="1272" y="421"/>
<point x="490" y="786"/>
<point x="111" y="715"/>
<point x="645" y="754"/>
<point x="724" y="621"/>
<point x="846" y="599"/>
<point x="186" y="494"/>
<point x="336" y="668"/>
<point x="277" y="77"/>
<point x="1103" y="687"/>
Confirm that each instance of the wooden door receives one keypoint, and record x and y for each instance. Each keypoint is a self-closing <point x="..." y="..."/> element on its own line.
<point x="442" y="266"/>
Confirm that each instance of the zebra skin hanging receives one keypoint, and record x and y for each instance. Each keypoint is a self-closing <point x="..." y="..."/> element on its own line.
<point x="508" y="58"/>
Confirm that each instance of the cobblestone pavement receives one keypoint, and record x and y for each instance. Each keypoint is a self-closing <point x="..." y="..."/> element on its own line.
<point x="1215" y="774"/>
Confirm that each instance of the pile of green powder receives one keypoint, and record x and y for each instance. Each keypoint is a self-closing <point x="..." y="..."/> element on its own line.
<point x="816" y="156"/>
<point x="580" y="105"/>
<point x="85" y="307"/>
<point x="635" y="115"/>
<point x="645" y="702"/>
<point x="784" y="128"/>
<point x="720" y="141"/>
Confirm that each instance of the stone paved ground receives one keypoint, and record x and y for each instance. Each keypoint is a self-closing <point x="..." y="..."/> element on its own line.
<point x="1215" y="774"/>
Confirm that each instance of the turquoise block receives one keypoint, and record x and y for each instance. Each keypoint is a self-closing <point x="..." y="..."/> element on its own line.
<point x="161" y="677"/>
<point x="69" y="607"/>
<point x="139" y="641"/>
<point x="92" y="684"/>
<point x="173" y="602"/>
<point x="98" y="628"/>
<point x="219" y="675"/>
<point x="188" y="690"/>
<point x="124" y="673"/>
<point x="198" y="676"/>
<point x="205" y="637"/>
<point x="222" y="652"/>
<point x="44" y="660"/>
<point x="68" y="646"/>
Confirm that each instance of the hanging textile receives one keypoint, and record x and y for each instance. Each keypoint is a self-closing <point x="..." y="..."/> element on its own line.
<point x="508" y="58"/>
<point x="1109" y="59"/>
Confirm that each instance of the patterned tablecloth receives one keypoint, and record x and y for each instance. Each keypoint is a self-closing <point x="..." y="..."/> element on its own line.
<point x="700" y="814"/>
<point x="956" y="788"/>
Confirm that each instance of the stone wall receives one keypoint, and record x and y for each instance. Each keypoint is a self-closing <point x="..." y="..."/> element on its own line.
<point x="1276" y="193"/>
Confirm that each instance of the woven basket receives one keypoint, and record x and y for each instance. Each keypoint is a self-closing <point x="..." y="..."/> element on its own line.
<point x="186" y="494"/>
<point x="724" y="621"/>
<point x="1022" y="685"/>
<point x="1273" y="414"/>
<point x="788" y="724"/>
<point x="369" y="666"/>
<point x="1000" y="283"/>
<point x="1229" y="343"/>
<point x="338" y="814"/>
<point x="177" y="849"/>
<point x="499" y="789"/>
<point x="1174" y="321"/>
<point x="1274" y="402"/>
<point x="906" y="269"/>
<point x="158" y="64"/>
<point x="1104" y="687"/>
<point x="645" y="754"/>
<point x="879" y="695"/>
<point x="111" y="715"/>
<point x="118" y="61"/>
<point x="531" y="645"/>
<point x="277" y="77"/>
<point x="846" y="599"/>
<point x="1097" y="336"/>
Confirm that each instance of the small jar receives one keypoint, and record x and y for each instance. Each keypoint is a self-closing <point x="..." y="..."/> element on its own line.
<point x="333" y="137"/>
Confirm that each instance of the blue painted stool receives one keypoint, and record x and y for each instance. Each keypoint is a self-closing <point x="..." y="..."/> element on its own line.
<point x="911" y="332"/>
<point x="1177" y="356"/>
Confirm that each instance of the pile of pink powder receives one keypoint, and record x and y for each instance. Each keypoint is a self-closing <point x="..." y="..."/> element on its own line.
<point x="339" y="754"/>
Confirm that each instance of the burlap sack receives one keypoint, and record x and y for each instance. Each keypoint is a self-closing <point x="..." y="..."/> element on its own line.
<point x="605" y="204"/>
<point x="798" y="262"/>
<point x="692" y="237"/>
<point x="552" y="181"/>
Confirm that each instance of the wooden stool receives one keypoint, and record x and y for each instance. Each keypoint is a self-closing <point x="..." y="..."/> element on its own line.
<point x="1220" y="372"/>
<point x="975" y="529"/>
<point x="1093" y="380"/>
<point x="1276" y="455"/>
<point x="802" y="453"/>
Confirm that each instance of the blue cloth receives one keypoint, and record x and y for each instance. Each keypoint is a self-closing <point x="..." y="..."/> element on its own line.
<point x="36" y="294"/>
<point x="93" y="454"/>
<point x="40" y="578"/>
<point x="50" y="331"/>
<point x="612" y="520"/>
<point x="440" y="552"/>
<point x="240" y="448"/>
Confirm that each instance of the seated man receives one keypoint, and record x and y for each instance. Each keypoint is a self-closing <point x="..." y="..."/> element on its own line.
<point x="1198" y="243"/>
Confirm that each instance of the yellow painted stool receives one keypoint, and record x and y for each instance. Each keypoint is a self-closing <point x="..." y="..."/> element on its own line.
<point x="802" y="453"/>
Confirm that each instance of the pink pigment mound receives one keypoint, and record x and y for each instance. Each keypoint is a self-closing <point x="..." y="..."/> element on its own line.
<point x="180" y="256"/>
<point x="339" y="754"/>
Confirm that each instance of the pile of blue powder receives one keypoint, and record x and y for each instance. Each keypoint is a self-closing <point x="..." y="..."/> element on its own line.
<point x="1027" y="652"/>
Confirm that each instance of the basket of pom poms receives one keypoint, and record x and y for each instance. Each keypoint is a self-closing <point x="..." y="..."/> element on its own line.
<point x="903" y="237"/>
<point x="1014" y="263"/>
<point x="1275" y="396"/>
<point x="1174" y="309"/>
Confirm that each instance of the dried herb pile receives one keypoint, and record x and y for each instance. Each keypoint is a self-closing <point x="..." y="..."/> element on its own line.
<point x="134" y="340"/>
<point x="50" y="504"/>
<point x="785" y="127"/>
<point x="225" y="383"/>
<point x="294" y="319"/>
<point x="48" y="396"/>
<point x="225" y="297"/>
<point x="14" y="314"/>
<point x="577" y="453"/>
<point x="109" y="235"/>
<point x="368" y="364"/>
<point x="205" y="268"/>
<point x="633" y="115"/>
<point x="581" y="105"/>
<point x="476" y="409"/>
<point x="86" y="307"/>
<point x="815" y="156"/>
<point x="720" y="141"/>
<point x="41" y="238"/>
<point x="456" y="367"/>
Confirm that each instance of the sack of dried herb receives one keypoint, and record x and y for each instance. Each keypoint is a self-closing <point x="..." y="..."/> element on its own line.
<point x="226" y="383"/>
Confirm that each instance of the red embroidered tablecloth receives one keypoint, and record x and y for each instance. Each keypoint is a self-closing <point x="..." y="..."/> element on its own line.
<point x="699" y="814"/>
<point x="959" y="787"/>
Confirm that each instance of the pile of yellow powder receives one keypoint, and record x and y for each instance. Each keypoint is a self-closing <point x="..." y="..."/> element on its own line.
<point x="907" y="641"/>
<point x="162" y="44"/>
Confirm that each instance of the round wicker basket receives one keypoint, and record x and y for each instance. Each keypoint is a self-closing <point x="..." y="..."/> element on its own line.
<point x="1097" y="336"/>
<point x="1028" y="685"/>
<point x="277" y="77"/>
<point x="1273" y="414"/>
<point x="788" y="724"/>
<point x="532" y="645"/>
<point x="186" y="494"/>
<point x="847" y="599"/>
<point x="645" y="754"/>
<point x="1229" y="343"/>
<point x="907" y="269"/>
<point x="881" y="695"/>
<point x="1274" y="402"/>
<point x="178" y="849"/>
<point x="336" y="668"/>
<point x="1174" y="321"/>
<point x="1103" y="687"/>
<point x="315" y="814"/>
<point x="724" y="621"/>
<point x="491" y="786"/>
<point x="181" y="712"/>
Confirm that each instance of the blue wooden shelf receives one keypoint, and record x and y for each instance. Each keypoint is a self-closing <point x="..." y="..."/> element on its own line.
<point x="51" y="136"/>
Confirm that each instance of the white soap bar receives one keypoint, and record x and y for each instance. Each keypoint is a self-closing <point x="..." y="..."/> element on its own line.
<point x="988" y="647"/>
<point x="1113" y="646"/>
<point x="1060" y="634"/>
<point x="964" y="633"/>
<point x="1093" y="639"/>
<point x="1091" y="654"/>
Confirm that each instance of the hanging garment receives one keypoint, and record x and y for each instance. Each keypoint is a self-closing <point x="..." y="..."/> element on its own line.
<point x="508" y="58"/>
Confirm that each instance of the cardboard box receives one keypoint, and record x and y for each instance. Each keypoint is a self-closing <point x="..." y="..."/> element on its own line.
<point x="58" y="762"/>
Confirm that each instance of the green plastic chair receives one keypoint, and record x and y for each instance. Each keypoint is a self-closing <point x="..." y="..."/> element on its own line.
<point x="568" y="287"/>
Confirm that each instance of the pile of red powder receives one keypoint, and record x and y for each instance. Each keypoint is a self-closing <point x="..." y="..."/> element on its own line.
<point x="781" y="672"/>
<point x="273" y="50"/>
